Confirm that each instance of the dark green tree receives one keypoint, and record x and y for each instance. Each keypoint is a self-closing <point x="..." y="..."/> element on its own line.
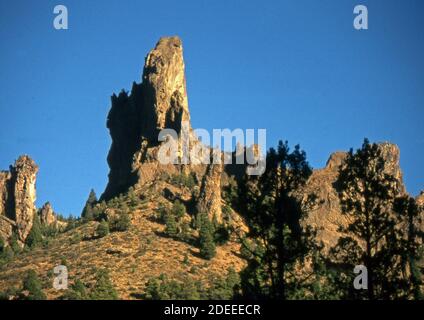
<point x="78" y="291"/>
<point x="103" y="288"/>
<point x="102" y="229"/>
<point x="378" y="234"/>
<point x="276" y="242"/>
<point x="120" y="222"/>
<point x="178" y="210"/>
<point x="35" y="237"/>
<point x="171" y="228"/>
<point x="32" y="286"/>
<point x="88" y="212"/>
<point x="206" y="237"/>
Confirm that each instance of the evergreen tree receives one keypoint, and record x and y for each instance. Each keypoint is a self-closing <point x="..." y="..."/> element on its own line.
<point x="206" y="237"/>
<point x="276" y="241"/>
<point x="88" y="212"/>
<point x="33" y="287"/>
<point x="178" y="210"/>
<point x="102" y="229"/>
<point x="103" y="288"/>
<point x="35" y="237"/>
<point x="171" y="228"/>
<point x="120" y="223"/>
<point x="78" y="291"/>
<point x="377" y="236"/>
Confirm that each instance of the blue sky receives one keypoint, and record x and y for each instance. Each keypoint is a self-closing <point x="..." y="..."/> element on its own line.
<point x="297" y="68"/>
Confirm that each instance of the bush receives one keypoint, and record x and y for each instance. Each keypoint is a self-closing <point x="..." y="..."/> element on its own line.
<point x="225" y="288"/>
<point x="103" y="288"/>
<point x="33" y="286"/>
<point x="102" y="229"/>
<point x="178" y="210"/>
<point x="161" y="288"/>
<point x="120" y="222"/>
<point x="184" y="180"/>
<point x="78" y="291"/>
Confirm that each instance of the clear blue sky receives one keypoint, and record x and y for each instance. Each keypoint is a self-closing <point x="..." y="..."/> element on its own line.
<point x="296" y="68"/>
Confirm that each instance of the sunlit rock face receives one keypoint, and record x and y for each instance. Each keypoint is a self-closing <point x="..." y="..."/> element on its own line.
<point x="17" y="198"/>
<point x="135" y="120"/>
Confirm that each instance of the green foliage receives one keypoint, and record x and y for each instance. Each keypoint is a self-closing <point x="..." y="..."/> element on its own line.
<point x="176" y="226"/>
<point x="276" y="241"/>
<point x="381" y="218"/>
<point x="103" y="288"/>
<point x="230" y="193"/>
<point x="161" y="288"/>
<point x="102" y="229"/>
<point x="178" y="210"/>
<point x="120" y="222"/>
<point x="220" y="288"/>
<point x="206" y="237"/>
<point x="88" y="210"/>
<point x="35" y="237"/>
<point x="225" y="288"/>
<point x="78" y="291"/>
<point x="171" y="224"/>
<point x="32" y="285"/>
<point x="184" y="180"/>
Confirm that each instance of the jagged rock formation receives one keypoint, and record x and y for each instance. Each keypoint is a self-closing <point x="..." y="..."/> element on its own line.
<point x="135" y="121"/>
<point x="326" y="216"/>
<point x="47" y="216"/>
<point x="17" y="197"/>
<point x="210" y="193"/>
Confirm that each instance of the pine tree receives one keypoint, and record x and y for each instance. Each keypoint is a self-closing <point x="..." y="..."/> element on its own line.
<point x="120" y="223"/>
<point x="35" y="237"/>
<point x="33" y="287"/>
<point x="376" y="236"/>
<point x="276" y="241"/>
<point x="178" y="210"/>
<point x="206" y="237"/>
<point x="171" y="228"/>
<point x="103" y="288"/>
<point x="88" y="212"/>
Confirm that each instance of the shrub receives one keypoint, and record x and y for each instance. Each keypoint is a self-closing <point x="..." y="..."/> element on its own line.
<point x="33" y="286"/>
<point x="78" y="291"/>
<point x="102" y="229"/>
<point x="161" y="288"/>
<point x="120" y="222"/>
<point x="103" y="288"/>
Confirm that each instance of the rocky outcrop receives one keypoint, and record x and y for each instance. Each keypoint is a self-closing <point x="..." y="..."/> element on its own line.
<point x="135" y="120"/>
<point x="47" y="216"/>
<point x="17" y="198"/>
<point x="209" y="200"/>
<point x="326" y="215"/>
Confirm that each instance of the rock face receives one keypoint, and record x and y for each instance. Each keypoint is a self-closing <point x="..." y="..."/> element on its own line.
<point x="47" y="216"/>
<point x="135" y="120"/>
<point x="327" y="216"/>
<point x="210" y="193"/>
<point x="17" y="197"/>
